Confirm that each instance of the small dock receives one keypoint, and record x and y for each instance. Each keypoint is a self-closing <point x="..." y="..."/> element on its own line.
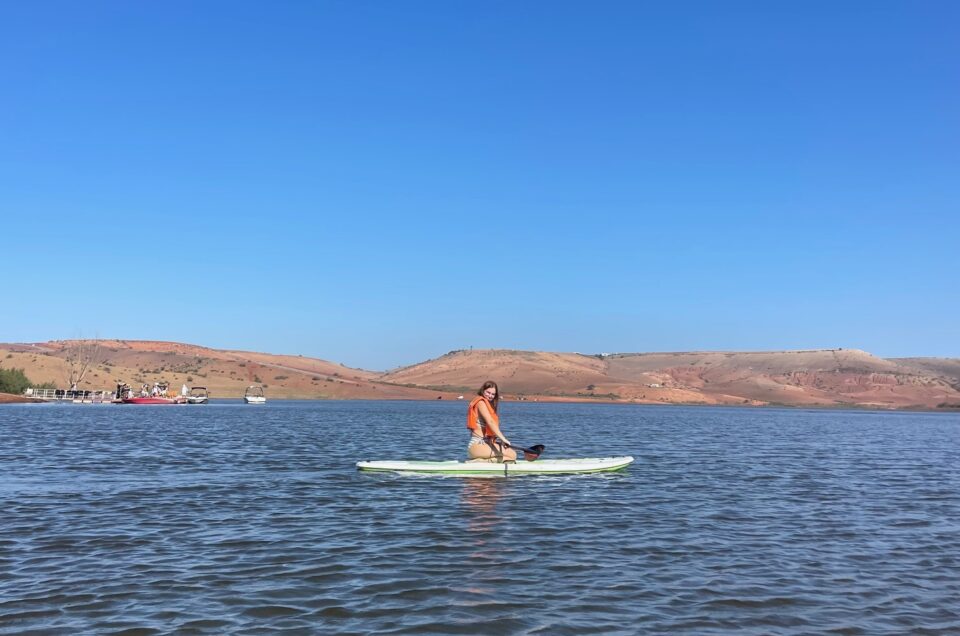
<point x="64" y="395"/>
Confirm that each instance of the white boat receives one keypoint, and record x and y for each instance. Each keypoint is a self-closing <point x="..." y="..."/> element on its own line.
<point x="475" y="468"/>
<point x="254" y="395"/>
<point x="198" y="395"/>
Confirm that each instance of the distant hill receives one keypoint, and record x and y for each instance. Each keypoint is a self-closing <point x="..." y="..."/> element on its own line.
<point x="829" y="378"/>
<point x="832" y="377"/>
<point x="224" y="373"/>
<point x="947" y="368"/>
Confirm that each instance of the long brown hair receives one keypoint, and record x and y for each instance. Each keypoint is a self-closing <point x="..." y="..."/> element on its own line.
<point x="495" y="402"/>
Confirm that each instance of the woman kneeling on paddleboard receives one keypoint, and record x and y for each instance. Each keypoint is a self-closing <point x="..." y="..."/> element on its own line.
<point x="486" y="440"/>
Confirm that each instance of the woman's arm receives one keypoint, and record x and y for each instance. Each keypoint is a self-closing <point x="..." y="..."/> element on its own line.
<point x="491" y="422"/>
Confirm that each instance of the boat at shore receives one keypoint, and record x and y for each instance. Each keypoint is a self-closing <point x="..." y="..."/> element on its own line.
<point x="198" y="395"/>
<point x="254" y="395"/>
<point x="154" y="400"/>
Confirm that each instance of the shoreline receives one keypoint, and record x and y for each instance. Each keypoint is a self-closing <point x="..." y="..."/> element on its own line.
<point x="8" y="398"/>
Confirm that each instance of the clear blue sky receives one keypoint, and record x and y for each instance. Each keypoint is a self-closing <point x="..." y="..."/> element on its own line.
<point x="377" y="183"/>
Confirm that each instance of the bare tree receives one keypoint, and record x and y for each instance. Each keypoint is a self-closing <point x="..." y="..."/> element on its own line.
<point x="80" y="355"/>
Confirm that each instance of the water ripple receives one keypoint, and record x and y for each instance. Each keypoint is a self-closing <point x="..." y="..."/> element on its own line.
<point x="228" y="519"/>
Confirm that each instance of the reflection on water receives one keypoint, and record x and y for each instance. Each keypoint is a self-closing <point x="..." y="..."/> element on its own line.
<point x="229" y="519"/>
<point x="479" y="498"/>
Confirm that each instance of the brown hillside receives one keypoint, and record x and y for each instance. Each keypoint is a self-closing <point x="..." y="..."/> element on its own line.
<point x="947" y="368"/>
<point x="832" y="377"/>
<point x="224" y="373"/>
<point x="524" y="372"/>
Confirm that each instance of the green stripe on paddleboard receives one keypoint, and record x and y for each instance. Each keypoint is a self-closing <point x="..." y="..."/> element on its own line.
<point x="550" y="467"/>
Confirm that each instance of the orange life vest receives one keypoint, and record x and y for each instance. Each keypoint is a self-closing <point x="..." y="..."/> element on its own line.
<point x="475" y="423"/>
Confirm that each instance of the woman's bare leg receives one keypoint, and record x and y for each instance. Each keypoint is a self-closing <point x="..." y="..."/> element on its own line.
<point x="489" y="451"/>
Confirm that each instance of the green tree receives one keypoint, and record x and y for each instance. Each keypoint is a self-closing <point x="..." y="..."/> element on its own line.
<point x="13" y="381"/>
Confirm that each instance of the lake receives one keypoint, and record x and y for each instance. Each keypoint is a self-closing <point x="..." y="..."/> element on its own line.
<point x="253" y="519"/>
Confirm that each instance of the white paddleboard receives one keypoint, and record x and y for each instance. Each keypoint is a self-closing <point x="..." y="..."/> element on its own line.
<point x="521" y="467"/>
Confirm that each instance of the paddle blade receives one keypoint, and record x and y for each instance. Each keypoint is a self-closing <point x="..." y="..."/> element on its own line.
<point x="534" y="452"/>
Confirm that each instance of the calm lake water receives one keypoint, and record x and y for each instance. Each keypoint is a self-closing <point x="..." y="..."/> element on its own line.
<point x="253" y="519"/>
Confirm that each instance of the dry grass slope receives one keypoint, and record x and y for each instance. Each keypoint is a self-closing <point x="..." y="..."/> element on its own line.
<point x="225" y="373"/>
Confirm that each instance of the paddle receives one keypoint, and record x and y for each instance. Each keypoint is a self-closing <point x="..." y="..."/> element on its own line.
<point x="530" y="454"/>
